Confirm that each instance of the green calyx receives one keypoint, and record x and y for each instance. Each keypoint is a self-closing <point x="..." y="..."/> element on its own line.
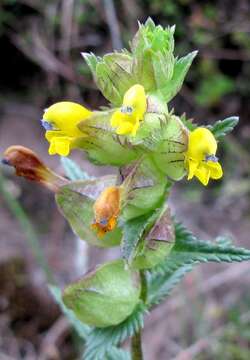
<point x="156" y="245"/>
<point x="102" y="145"/>
<point x="76" y="203"/>
<point x="105" y="296"/>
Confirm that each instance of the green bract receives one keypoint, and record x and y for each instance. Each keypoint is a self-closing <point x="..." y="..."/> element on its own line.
<point x="158" y="242"/>
<point x="150" y="62"/>
<point x="76" y="201"/>
<point x="105" y="296"/>
<point x="101" y="142"/>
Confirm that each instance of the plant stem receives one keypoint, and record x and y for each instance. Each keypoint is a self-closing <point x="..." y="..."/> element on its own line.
<point x="27" y="228"/>
<point x="136" y="343"/>
<point x="136" y="347"/>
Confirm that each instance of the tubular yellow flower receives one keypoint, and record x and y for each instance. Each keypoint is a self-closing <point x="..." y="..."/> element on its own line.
<point x="106" y="209"/>
<point x="200" y="159"/>
<point x="60" y="122"/>
<point x="127" y="119"/>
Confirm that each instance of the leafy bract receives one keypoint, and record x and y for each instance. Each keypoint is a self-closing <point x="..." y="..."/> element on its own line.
<point x="76" y="200"/>
<point x="151" y="63"/>
<point x="101" y="142"/>
<point x="113" y="353"/>
<point x="223" y="127"/>
<point x="181" y="68"/>
<point x="170" y="147"/>
<point x="132" y="233"/>
<point x="81" y="329"/>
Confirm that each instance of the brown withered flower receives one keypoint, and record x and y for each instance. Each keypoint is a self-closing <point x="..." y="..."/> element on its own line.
<point x="27" y="164"/>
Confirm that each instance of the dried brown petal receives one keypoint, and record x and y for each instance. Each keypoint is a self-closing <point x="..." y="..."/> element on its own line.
<point x="27" y="164"/>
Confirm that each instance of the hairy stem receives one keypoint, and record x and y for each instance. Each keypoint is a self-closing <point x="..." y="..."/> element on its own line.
<point x="136" y="343"/>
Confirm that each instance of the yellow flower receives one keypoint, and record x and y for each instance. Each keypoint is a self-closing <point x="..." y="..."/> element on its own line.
<point x="126" y="120"/>
<point x="200" y="157"/>
<point x="106" y="209"/>
<point x="61" y="120"/>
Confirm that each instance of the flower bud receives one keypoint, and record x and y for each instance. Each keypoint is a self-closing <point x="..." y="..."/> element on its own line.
<point x="105" y="296"/>
<point x="27" y="164"/>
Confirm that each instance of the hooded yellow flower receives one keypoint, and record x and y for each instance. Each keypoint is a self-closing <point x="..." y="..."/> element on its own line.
<point x="200" y="157"/>
<point x="107" y="209"/>
<point x="60" y="122"/>
<point x="126" y="120"/>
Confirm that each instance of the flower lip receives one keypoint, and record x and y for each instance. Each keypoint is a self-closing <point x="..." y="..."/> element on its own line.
<point x="212" y="158"/>
<point x="47" y="125"/>
<point x="103" y="222"/>
<point x="5" y="162"/>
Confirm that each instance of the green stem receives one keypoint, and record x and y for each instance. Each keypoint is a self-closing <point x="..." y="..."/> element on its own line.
<point x="26" y="226"/>
<point x="144" y="286"/>
<point x="136" y="347"/>
<point x="136" y="343"/>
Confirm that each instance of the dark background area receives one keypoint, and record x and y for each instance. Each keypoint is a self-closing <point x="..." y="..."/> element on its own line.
<point x="207" y="316"/>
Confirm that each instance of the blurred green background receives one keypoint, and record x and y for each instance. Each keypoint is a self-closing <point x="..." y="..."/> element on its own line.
<point x="41" y="42"/>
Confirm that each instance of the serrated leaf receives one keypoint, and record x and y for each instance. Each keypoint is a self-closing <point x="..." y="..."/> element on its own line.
<point x="188" y="252"/>
<point x="117" y="354"/>
<point x="223" y="127"/>
<point x="100" y="341"/>
<point x="72" y="170"/>
<point x="81" y="329"/>
<point x="161" y="285"/>
<point x="181" y="68"/>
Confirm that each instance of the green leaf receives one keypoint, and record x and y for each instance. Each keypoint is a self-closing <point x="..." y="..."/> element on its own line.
<point x="181" y="68"/>
<point x="188" y="252"/>
<point x="100" y="341"/>
<point x="72" y="170"/>
<point x="81" y="329"/>
<point x="223" y="127"/>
